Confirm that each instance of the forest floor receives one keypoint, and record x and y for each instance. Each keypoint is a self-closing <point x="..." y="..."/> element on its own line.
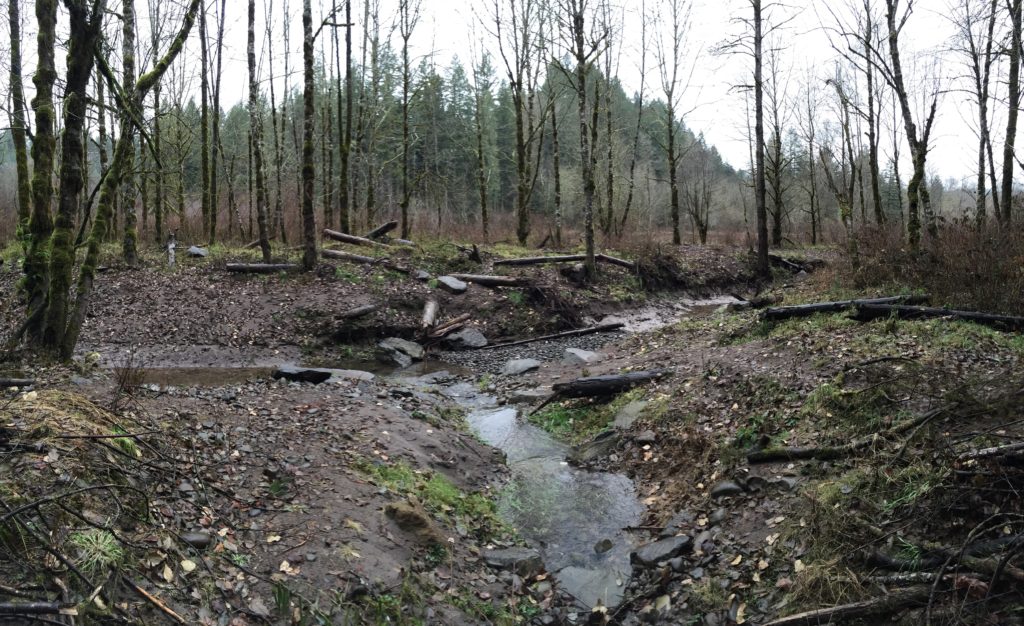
<point x="163" y="477"/>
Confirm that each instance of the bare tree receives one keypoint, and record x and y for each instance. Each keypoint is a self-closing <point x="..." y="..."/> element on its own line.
<point x="807" y="114"/>
<point x="638" y="102"/>
<point x="408" y="17"/>
<point x="843" y="184"/>
<point x="309" y="254"/>
<point x="255" y="127"/>
<point x="18" y="123"/>
<point x="1013" y="108"/>
<point x="700" y="176"/>
<point x="669" y="55"/>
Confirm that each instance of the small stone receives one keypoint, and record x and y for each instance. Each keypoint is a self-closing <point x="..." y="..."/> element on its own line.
<point x="726" y="488"/>
<point x="422" y="275"/>
<point x="628" y="414"/>
<point x="515" y="367"/>
<point x="603" y="546"/>
<point x="452" y="284"/>
<point x="783" y="483"/>
<point x="697" y="573"/>
<point x="718" y="516"/>
<point x="676" y="564"/>
<point x="528" y="396"/>
<point x="465" y="339"/>
<point x="645" y="438"/>
<point x="523" y="561"/>
<point x="756" y="483"/>
<point x="197" y="252"/>
<point x="576" y="356"/>
<point x="661" y="550"/>
<point x="198" y="540"/>
<point x="310" y="557"/>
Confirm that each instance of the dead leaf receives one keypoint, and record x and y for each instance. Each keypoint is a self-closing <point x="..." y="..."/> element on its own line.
<point x="258" y="608"/>
<point x="273" y="538"/>
<point x="737" y="560"/>
<point x="187" y="566"/>
<point x="168" y="573"/>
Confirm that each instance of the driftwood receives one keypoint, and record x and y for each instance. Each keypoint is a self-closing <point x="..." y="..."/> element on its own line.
<point x="888" y="604"/>
<point x="353" y="239"/>
<point x="359" y="311"/>
<point x="828" y="453"/>
<point x="600" y="328"/>
<point x="600" y="386"/>
<point x="382" y="230"/>
<point x="260" y="268"/>
<point x="490" y="281"/>
<point x="867" y="311"/>
<point x="806" y="310"/>
<point x="16" y="382"/>
<point x="449" y="327"/>
<point x="430" y="311"/>
<point x="566" y="258"/>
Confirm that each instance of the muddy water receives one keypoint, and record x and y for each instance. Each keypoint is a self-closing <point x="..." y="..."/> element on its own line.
<point x="575" y="517"/>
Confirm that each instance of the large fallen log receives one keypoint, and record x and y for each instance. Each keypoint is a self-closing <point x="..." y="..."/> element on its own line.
<point x="605" y="385"/>
<point x="353" y="239"/>
<point x="888" y="604"/>
<point x="260" y="268"/>
<point x="867" y="311"/>
<point x="382" y="230"/>
<point x="566" y="258"/>
<point x="357" y="312"/>
<point x="341" y="255"/>
<point x="16" y="382"/>
<point x="806" y="310"/>
<point x="490" y="281"/>
<point x="600" y="328"/>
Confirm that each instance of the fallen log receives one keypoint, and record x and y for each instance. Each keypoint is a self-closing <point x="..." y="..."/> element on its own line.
<point x="605" y="385"/>
<point x="357" y="312"/>
<point x="600" y="328"/>
<point x="430" y="311"/>
<point x="260" y="268"/>
<point x="16" y="382"/>
<point x="888" y="604"/>
<point x="566" y="258"/>
<point x="353" y="239"/>
<point x="256" y="244"/>
<point x="983" y="453"/>
<point x="35" y="608"/>
<point x="449" y="327"/>
<point x="806" y="310"/>
<point x="795" y="265"/>
<point x="867" y="311"/>
<point x="341" y="255"/>
<point x="490" y="281"/>
<point x="382" y="230"/>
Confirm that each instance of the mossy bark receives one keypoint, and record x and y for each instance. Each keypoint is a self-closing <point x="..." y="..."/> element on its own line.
<point x="41" y="220"/>
<point x="255" y="128"/>
<point x="18" y="122"/>
<point x="309" y="255"/>
<point x="130" y="240"/>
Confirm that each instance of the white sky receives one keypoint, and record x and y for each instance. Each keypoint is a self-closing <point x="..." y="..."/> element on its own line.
<point x="713" y="105"/>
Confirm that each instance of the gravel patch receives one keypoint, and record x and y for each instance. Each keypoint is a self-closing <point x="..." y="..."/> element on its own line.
<point x="493" y="359"/>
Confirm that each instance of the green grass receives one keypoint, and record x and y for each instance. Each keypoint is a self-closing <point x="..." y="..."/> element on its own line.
<point x="98" y="550"/>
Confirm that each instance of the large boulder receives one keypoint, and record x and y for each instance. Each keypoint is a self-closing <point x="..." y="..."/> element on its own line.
<point x="400" y="352"/>
<point x="452" y="284"/>
<point x="465" y="339"/>
<point x="515" y="367"/>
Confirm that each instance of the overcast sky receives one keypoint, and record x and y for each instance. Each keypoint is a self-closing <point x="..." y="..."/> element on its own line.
<point x="712" y="102"/>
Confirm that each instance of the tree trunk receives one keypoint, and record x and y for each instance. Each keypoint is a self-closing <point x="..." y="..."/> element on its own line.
<point x="1014" y="107"/>
<point x="204" y="122"/>
<point x="673" y="173"/>
<point x="763" y="268"/>
<point x="876" y="190"/>
<point x="43" y="145"/>
<point x="256" y="133"/>
<point x="276" y="125"/>
<point x="158" y="176"/>
<point x="309" y="255"/>
<point x="344" y="207"/>
<point x="130" y="240"/>
<point x="481" y="164"/>
<point x="556" y="166"/>
<point x="215" y="146"/>
<point x="18" y="122"/>
<point x="588" y="133"/>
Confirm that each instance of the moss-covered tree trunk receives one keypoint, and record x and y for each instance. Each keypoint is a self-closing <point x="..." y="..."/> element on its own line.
<point x="257" y="140"/>
<point x="130" y="239"/>
<point x="18" y="125"/>
<point x="204" y="123"/>
<point x="84" y="30"/>
<point x="308" y="122"/>
<point x="43" y="145"/>
<point x="215" y="144"/>
<point x="158" y="175"/>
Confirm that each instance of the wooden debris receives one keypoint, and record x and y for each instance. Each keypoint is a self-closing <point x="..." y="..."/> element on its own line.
<point x="382" y="230"/>
<point x="490" y="281"/>
<point x="430" y="311"/>
<point x="600" y="328"/>
<point x="260" y="268"/>
<point x="16" y="382"/>
<point x="885" y="605"/>
<point x="867" y="311"/>
<point x="352" y="239"/>
<point x="806" y="310"/>
<point x="449" y="327"/>
<point x="359" y="311"/>
<point x="163" y="608"/>
<point x="566" y="258"/>
<point x="606" y="385"/>
<point x="341" y="255"/>
<point x="795" y="265"/>
<point x="35" y="608"/>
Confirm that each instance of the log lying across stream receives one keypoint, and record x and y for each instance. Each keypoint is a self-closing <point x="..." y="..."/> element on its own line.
<point x="806" y="310"/>
<point x="566" y="258"/>
<point x="866" y="311"/>
<point x="260" y="268"/>
<point x="600" y="328"/>
<point x="490" y="281"/>
<point x="605" y="385"/>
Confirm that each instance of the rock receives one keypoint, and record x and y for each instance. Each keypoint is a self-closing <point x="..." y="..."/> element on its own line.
<point x="515" y="367"/>
<point x="399" y="351"/>
<point x="629" y="414"/>
<point x="697" y="573"/>
<point x="676" y="564"/>
<point x="756" y="483"/>
<point x="198" y="540"/>
<point x="603" y="546"/>
<point x="465" y="339"/>
<point x="718" y="516"/>
<point x="575" y="356"/>
<point x="528" y="396"/>
<point x="525" y="562"/>
<point x="645" y="438"/>
<point x="600" y="446"/>
<point x="197" y="252"/>
<point x="452" y="284"/>
<point x="679" y="522"/>
<point x="704" y="543"/>
<point x="411" y="517"/>
<point x="592" y="586"/>
<point x="726" y="488"/>
<point x="783" y="483"/>
<point x="661" y="550"/>
<point x="422" y="275"/>
<point x="300" y="374"/>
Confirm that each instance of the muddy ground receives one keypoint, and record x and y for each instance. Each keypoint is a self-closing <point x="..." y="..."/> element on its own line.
<point x="367" y="499"/>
